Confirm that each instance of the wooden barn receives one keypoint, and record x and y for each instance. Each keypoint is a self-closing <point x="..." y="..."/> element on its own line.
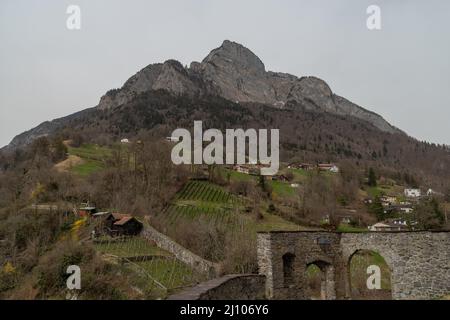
<point x="116" y="224"/>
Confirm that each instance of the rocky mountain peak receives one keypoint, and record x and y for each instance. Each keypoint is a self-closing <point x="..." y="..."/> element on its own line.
<point x="234" y="55"/>
<point x="234" y="72"/>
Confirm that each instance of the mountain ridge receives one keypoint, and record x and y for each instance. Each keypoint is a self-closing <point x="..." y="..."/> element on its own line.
<point x="230" y="71"/>
<point x="235" y="73"/>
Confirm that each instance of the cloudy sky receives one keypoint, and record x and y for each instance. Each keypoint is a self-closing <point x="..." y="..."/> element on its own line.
<point x="401" y="71"/>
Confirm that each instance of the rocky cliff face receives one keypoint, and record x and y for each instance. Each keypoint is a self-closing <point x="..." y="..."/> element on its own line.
<point x="230" y="71"/>
<point x="234" y="72"/>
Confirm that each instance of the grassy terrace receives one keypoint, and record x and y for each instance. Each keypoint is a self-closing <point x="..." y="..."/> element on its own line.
<point x="203" y="199"/>
<point x="162" y="267"/>
<point x="93" y="157"/>
<point x="130" y="247"/>
<point x="348" y="228"/>
<point x="171" y="273"/>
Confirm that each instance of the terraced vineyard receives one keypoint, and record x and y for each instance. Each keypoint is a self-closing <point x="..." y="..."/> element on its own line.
<point x="204" y="191"/>
<point x="158" y="271"/>
<point x="203" y="199"/>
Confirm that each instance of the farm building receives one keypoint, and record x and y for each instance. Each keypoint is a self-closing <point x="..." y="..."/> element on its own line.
<point x="116" y="224"/>
<point x="412" y="193"/>
<point x="304" y="166"/>
<point x="388" y="200"/>
<point x="328" y="167"/>
<point x="397" y="224"/>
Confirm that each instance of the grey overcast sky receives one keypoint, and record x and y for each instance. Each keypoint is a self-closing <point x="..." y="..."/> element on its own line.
<point x="401" y="71"/>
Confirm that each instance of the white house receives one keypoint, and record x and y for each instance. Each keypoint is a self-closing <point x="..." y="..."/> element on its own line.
<point x="406" y="209"/>
<point x="413" y="193"/>
<point x="125" y="140"/>
<point x="393" y="225"/>
<point x="328" y="167"/>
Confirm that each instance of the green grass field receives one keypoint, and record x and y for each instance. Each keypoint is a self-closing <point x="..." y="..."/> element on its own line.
<point x="93" y="156"/>
<point x="205" y="200"/>
<point x="358" y="269"/>
<point x="162" y="266"/>
<point x="91" y="151"/>
<point x="130" y="247"/>
<point x="348" y="228"/>
<point x="87" y="168"/>
<point x="239" y="176"/>
<point x="299" y="174"/>
<point x="171" y="273"/>
<point x="282" y="189"/>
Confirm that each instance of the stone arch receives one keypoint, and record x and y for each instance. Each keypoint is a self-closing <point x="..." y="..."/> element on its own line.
<point x="362" y="249"/>
<point x="327" y="287"/>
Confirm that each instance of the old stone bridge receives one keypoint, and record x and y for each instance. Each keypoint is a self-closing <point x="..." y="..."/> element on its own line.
<point x="419" y="262"/>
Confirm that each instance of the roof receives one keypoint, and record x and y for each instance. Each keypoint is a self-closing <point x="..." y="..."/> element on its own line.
<point x="100" y="214"/>
<point x="117" y="216"/>
<point x="380" y="224"/>
<point x="123" y="221"/>
<point x="88" y="208"/>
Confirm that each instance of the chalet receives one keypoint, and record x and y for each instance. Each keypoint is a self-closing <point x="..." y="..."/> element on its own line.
<point x="412" y="193"/>
<point x="242" y="168"/>
<point x="328" y="167"/>
<point x="87" y="210"/>
<point x="389" y="225"/>
<point x="405" y="208"/>
<point x="389" y="200"/>
<point x="253" y="169"/>
<point x="116" y="224"/>
<point x="303" y="166"/>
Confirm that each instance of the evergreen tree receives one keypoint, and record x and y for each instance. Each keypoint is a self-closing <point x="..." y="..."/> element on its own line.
<point x="372" y="179"/>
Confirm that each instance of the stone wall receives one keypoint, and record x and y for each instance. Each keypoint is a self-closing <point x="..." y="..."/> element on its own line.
<point x="320" y="248"/>
<point x="419" y="262"/>
<point x="181" y="253"/>
<point x="229" y="287"/>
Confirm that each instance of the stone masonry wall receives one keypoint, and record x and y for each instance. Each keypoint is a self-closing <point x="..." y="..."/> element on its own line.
<point x="229" y="287"/>
<point x="419" y="262"/>
<point x="321" y="248"/>
<point x="196" y="262"/>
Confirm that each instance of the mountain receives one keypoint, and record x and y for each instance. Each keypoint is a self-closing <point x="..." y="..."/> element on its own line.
<point x="230" y="88"/>
<point x="235" y="73"/>
<point x="230" y="71"/>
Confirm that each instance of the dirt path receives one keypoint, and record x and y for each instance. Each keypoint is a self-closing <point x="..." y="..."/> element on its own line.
<point x="70" y="162"/>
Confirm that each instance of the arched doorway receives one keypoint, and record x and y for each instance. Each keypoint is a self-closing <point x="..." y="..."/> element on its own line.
<point x="320" y="283"/>
<point x="288" y="269"/>
<point x="369" y="276"/>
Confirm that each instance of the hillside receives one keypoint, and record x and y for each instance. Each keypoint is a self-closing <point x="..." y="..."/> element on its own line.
<point x="230" y="88"/>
